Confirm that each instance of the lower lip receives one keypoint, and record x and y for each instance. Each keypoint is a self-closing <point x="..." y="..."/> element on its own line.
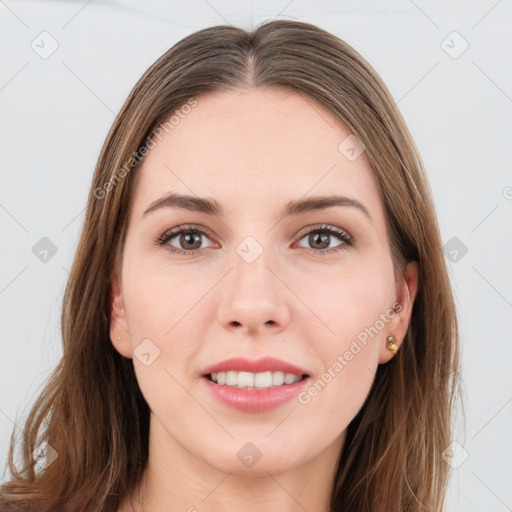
<point x="255" y="400"/>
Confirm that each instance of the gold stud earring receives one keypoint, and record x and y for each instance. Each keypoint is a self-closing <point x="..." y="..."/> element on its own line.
<point x="391" y="344"/>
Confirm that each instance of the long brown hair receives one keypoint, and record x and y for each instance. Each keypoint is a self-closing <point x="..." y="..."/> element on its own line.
<point x="91" y="411"/>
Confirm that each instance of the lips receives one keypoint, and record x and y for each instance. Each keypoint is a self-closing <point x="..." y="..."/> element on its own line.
<point x="254" y="386"/>
<point x="265" y="364"/>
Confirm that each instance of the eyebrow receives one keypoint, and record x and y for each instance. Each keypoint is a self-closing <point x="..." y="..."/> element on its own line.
<point x="212" y="207"/>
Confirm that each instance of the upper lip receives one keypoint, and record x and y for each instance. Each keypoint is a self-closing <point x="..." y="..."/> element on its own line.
<point x="265" y="364"/>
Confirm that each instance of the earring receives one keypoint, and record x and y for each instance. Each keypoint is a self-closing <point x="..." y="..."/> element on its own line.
<point x="119" y="338"/>
<point x="391" y="344"/>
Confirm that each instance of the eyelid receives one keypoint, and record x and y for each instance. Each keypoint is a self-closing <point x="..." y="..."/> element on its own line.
<point x="178" y="230"/>
<point x="344" y="236"/>
<point x="324" y="227"/>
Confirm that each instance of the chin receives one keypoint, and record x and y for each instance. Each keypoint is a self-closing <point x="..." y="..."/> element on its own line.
<point x="273" y="464"/>
<point x="256" y="458"/>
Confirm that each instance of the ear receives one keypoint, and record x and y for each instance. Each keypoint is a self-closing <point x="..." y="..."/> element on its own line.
<point x="119" y="335"/>
<point x="406" y="288"/>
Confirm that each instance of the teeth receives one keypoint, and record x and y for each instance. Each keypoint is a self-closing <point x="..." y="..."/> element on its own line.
<point x="278" y="378"/>
<point x="261" y="380"/>
<point x="290" y="378"/>
<point x="231" y="378"/>
<point x="245" y="380"/>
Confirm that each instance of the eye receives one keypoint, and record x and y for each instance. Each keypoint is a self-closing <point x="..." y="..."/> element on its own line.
<point x="320" y="238"/>
<point x="188" y="239"/>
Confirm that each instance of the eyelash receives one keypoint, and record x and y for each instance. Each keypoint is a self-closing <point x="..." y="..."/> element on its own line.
<point x="341" y="234"/>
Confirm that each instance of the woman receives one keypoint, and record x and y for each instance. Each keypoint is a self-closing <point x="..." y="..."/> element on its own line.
<point x="259" y="315"/>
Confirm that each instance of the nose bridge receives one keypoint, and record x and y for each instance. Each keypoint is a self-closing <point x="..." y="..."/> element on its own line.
<point x="253" y="295"/>
<point x="251" y="264"/>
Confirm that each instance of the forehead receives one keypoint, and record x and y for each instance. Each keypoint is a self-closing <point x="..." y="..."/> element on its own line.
<point x="254" y="146"/>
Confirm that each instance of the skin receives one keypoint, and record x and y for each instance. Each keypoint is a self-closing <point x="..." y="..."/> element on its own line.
<point x="253" y="150"/>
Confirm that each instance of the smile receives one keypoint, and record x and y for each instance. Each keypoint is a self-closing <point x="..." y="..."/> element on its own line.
<point x="250" y="380"/>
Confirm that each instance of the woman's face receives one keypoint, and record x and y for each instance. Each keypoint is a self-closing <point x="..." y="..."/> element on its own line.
<point x="247" y="280"/>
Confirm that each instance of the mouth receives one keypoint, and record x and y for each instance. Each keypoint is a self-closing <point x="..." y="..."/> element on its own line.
<point x="254" y="386"/>
<point x="264" y="373"/>
<point x="254" y="381"/>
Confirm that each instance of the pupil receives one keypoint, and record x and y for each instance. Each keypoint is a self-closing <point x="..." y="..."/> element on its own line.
<point x="188" y="238"/>
<point x="323" y="238"/>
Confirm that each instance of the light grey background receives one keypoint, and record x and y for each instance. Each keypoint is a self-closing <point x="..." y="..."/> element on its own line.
<point x="56" y="111"/>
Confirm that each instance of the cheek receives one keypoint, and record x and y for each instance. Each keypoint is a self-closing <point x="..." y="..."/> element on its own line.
<point x="354" y="306"/>
<point x="348" y="348"/>
<point x="159" y="315"/>
<point x="165" y="318"/>
<point x="157" y="298"/>
<point x="347" y="301"/>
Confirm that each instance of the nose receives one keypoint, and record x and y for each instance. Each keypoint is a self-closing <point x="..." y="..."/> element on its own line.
<point x="254" y="299"/>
